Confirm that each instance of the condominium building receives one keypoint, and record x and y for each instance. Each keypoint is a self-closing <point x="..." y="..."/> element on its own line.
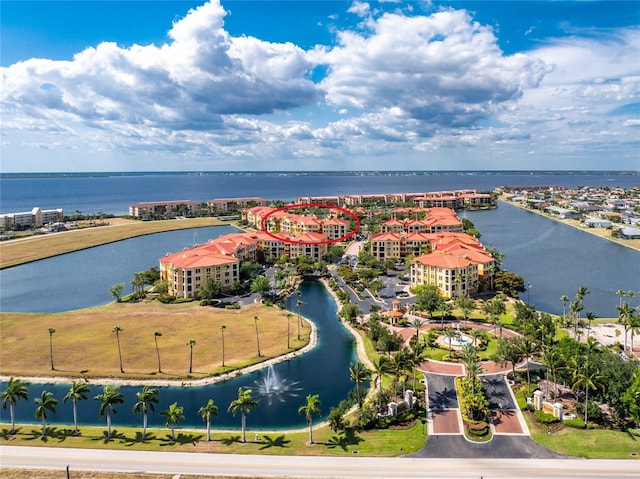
<point x="164" y="209"/>
<point x="235" y="204"/>
<point x="452" y="275"/>
<point x="31" y="219"/>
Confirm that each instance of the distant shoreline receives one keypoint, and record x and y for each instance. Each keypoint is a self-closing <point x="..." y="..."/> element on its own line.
<point x="598" y="232"/>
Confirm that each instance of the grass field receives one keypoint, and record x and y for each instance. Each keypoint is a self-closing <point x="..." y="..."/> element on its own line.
<point x="33" y="248"/>
<point x="85" y="345"/>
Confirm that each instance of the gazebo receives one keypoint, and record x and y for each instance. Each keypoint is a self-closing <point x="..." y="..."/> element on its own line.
<point x="396" y="312"/>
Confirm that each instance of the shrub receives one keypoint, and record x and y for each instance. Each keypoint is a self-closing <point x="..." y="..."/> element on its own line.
<point x="183" y="300"/>
<point x="232" y="306"/>
<point x="634" y="431"/>
<point x="545" y="418"/>
<point x="576" y="423"/>
<point x="166" y="299"/>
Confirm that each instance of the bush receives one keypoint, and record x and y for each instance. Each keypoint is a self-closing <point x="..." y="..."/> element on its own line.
<point x="634" y="431"/>
<point x="183" y="300"/>
<point x="576" y="423"/>
<point x="545" y="418"/>
<point x="166" y="299"/>
<point x="232" y="306"/>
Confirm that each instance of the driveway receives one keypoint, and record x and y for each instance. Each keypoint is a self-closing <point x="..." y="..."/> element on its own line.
<point x="442" y="391"/>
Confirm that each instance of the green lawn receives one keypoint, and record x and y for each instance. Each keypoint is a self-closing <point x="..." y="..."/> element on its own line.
<point x="387" y="442"/>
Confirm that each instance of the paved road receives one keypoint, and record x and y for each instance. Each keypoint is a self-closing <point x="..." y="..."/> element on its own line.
<point x="307" y="466"/>
<point x="442" y="391"/>
<point x="498" y="392"/>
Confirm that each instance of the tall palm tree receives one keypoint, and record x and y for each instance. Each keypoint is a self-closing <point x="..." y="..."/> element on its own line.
<point x="450" y="333"/>
<point x="16" y="390"/>
<point x="589" y="377"/>
<point x="590" y="317"/>
<point x="415" y="359"/>
<point x="359" y="374"/>
<point x="191" y="343"/>
<point x="244" y="403"/>
<point x="466" y="306"/>
<point x="527" y="348"/>
<point x="77" y="392"/>
<point x="51" y="331"/>
<point x="417" y="323"/>
<point x="173" y="417"/>
<point x="289" y="330"/>
<point x="156" y="335"/>
<point x="255" y="321"/>
<point x="621" y="294"/>
<point x="552" y="359"/>
<point x="565" y="300"/>
<point x="110" y="397"/>
<point x="205" y="412"/>
<point x="625" y="312"/>
<point x="380" y="368"/>
<point x="634" y="327"/>
<point x="118" y="330"/>
<point x="46" y="402"/>
<point x="298" y="304"/>
<point x="445" y="310"/>
<point x="311" y="406"/>
<point x="222" y="328"/>
<point x="576" y="307"/>
<point x="146" y="400"/>
<point x="476" y="334"/>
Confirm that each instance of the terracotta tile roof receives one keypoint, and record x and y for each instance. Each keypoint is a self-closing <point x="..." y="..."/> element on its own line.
<point x="442" y="260"/>
<point x="197" y="258"/>
<point x="388" y="236"/>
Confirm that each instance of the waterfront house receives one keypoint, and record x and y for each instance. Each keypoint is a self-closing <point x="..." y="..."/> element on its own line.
<point x="31" y="219"/>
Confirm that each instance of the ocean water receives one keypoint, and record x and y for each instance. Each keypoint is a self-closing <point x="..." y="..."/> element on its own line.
<point x="114" y="192"/>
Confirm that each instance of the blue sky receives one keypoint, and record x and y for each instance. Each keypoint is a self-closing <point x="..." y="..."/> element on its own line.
<point x="319" y="85"/>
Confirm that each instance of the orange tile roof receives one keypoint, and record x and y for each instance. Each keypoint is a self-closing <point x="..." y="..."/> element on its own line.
<point x="197" y="258"/>
<point x="388" y="236"/>
<point x="442" y="260"/>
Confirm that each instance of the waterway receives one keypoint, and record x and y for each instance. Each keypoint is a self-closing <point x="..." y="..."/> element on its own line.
<point x="555" y="259"/>
<point x="323" y="371"/>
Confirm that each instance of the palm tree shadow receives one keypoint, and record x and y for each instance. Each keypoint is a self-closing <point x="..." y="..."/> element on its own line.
<point x="139" y="439"/>
<point x="230" y="440"/>
<point x="350" y="438"/>
<point x="114" y="435"/>
<point x="274" y="442"/>
<point x="181" y="439"/>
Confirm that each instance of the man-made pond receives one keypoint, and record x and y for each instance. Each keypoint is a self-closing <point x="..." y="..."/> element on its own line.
<point x="280" y="390"/>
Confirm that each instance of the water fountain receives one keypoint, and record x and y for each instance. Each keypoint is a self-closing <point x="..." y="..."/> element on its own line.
<point x="273" y="387"/>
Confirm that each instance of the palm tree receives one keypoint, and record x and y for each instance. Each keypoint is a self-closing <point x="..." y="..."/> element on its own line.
<point x="380" y="368"/>
<point x="445" y="310"/>
<point x="288" y="330"/>
<point x="77" y="392"/>
<point x="118" y="330"/>
<point x="146" y="400"/>
<point x="15" y="391"/>
<point x="244" y="403"/>
<point x="417" y="323"/>
<point x="222" y="328"/>
<point x="205" y="412"/>
<point x="173" y="417"/>
<point x="476" y="334"/>
<point x="621" y="294"/>
<point x="51" y="331"/>
<point x="312" y="406"/>
<point x="110" y="396"/>
<point x="576" y="307"/>
<point x="298" y="304"/>
<point x="553" y="361"/>
<point x="191" y="343"/>
<point x="565" y="300"/>
<point x="625" y="313"/>
<point x="527" y="348"/>
<point x="358" y="373"/>
<point x="45" y="403"/>
<point x="450" y="333"/>
<point x="590" y="378"/>
<point x="634" y="327"/>
<point x="156" y="335"/>
<point x="255" y="321"/>
<point x="466" y="306"/>
<point x="590" y="317"/>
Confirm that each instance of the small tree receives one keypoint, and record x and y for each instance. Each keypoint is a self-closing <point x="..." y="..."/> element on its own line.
<point x="244" y="403"/>
<point x="116" y="291"/>
<point x="147" y="398"/>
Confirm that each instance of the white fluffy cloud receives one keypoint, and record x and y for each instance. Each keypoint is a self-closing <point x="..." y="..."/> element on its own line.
<point x="431" y="91"/>
<point x="189" y="83"/>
